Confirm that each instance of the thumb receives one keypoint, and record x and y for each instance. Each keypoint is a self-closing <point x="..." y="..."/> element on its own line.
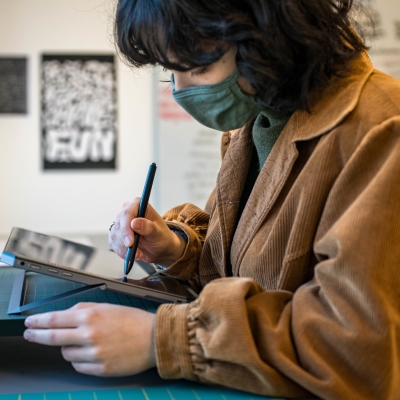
<point x="145" y="228"/>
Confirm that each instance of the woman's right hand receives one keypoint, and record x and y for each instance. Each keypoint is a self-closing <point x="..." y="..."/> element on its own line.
<point x="157" y="244"/>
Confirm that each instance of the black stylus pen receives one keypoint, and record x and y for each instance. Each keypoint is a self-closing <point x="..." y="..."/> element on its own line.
<point x="131" y="253"/>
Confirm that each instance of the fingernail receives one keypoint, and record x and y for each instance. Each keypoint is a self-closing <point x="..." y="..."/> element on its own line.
<point x="127" y="241"/>
<point x="27" y="335"/>
<point x="28" y="322"/>
<point x="137" y="225"/>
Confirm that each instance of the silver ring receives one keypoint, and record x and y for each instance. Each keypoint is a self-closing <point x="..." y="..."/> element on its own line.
<point x="111" y="226"/>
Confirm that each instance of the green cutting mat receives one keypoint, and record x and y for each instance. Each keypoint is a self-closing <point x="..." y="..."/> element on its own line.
<point x="41" y="286"/>
<point x="173" y="392"/>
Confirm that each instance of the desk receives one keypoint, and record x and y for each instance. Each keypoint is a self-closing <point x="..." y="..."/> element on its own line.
<point x="29" y="371"/>
<point x="29" y="368"/>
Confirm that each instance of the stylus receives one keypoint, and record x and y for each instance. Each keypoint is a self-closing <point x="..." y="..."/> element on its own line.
<point x="131" y="253"/>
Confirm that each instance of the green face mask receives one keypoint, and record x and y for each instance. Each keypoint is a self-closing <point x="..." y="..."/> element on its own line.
<point x="222" y="106"/>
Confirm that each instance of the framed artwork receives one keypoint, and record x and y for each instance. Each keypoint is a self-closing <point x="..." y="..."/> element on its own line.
<point x="13" y="85"/>
<point x="78" y="112"/>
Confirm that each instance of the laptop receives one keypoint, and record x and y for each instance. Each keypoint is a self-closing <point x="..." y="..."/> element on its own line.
<point x="64" y="259"/>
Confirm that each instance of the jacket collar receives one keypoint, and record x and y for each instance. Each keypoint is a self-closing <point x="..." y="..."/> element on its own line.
<point x="330" y="108"/>
<point x="335" y="103"/>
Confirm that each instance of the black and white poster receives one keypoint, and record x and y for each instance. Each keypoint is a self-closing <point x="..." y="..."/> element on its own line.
<point x="79" y="112"/>
<point x="13" y="85"/>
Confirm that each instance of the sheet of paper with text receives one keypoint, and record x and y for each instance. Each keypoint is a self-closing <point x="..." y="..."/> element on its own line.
<point x="187" y="153"/>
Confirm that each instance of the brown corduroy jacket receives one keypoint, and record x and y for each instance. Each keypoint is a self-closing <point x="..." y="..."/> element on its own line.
<point x="313" y="306"/>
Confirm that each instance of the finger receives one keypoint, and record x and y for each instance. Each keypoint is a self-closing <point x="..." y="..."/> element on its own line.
<point x="115" y="240"/>
<point x="146" y="228"/>
<point x="121" y="252"/>
<point x="126" y="216"/>
<point x="95" y="369"/>
<point x="79" y="354"/>
<point x="70" y="318"/>
<point x="117" y="244"/>
<point x="82" y="306"/>
<point x="55" y="337"/>
<point x="139" y="255"/>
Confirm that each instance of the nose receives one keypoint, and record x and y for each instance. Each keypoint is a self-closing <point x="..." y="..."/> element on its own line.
<point x="180" y="80"/>
<point x="175" y="78"/>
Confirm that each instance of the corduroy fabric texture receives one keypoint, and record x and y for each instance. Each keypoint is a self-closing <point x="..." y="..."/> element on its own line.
<point x="314" y="302"/>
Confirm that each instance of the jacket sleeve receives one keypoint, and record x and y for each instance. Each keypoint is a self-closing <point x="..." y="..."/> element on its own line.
<point x="338" y="335"/>
<point x="194" y="222"/>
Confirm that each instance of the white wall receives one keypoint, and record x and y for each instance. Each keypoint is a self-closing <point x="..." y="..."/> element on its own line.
<point x="85" y="202"/>
<point x="385" y="47"/>
<point x="68" y="201"/>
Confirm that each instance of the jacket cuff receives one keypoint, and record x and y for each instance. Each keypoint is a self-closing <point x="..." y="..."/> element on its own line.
<point x="172" y="342"/>
<point x="185" y="266"/>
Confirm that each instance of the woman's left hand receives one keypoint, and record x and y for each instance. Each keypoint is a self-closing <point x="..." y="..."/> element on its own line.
<point x="98" y="339"/>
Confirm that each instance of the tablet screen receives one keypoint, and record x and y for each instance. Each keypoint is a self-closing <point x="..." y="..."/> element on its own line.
<point x="61" y="252"/>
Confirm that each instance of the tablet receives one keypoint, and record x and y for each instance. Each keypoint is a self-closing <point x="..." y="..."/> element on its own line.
<point x="54" y="256"/>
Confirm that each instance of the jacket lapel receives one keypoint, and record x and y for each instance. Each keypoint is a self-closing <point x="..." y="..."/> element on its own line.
<point x="330" y="108"/>
<point x="230" y="184"/>
<point x="267" y="188"/>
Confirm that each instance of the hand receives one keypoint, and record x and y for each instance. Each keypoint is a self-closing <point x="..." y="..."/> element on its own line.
<point x="157" y="243"/>
<point x="98" y="339"/>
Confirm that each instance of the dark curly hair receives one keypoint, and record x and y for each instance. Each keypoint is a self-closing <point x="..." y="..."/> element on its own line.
<point x="287" y="49"/>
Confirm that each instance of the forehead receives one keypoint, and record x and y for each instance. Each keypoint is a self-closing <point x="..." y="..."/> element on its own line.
<point x="207" y="53"/>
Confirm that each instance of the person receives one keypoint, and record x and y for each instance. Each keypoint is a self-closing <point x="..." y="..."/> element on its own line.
<point x="296" y="255"/>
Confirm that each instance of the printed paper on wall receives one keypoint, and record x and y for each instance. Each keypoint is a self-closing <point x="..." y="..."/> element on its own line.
<point x="13" y="85"/>
<point x="195" y="171"/>
<point x="380" y="24"/>
<point x="79" y="112"/>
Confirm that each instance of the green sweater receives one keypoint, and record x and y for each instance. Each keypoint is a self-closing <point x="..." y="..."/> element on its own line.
<point x="266" y="130"/>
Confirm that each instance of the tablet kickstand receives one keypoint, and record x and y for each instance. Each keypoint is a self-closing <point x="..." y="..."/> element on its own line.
<point x="15" y="306"/>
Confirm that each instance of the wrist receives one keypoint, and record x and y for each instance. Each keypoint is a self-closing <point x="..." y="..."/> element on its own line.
<point x="182" y="240"/>
<point x="152" y="350"/>
<point x="178" y="246"/>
